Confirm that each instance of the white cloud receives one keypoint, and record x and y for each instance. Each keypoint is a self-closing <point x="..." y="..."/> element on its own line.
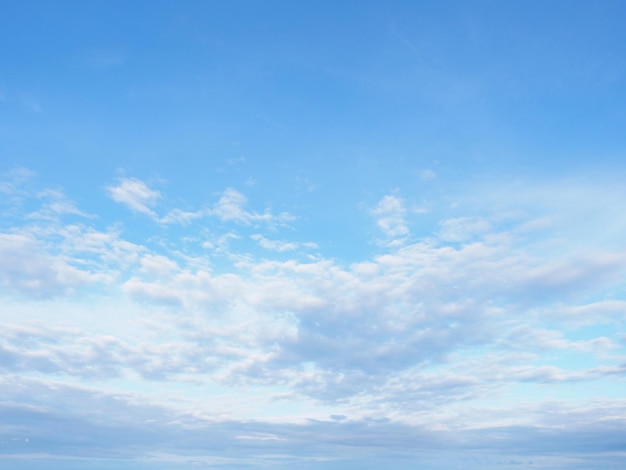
<point x="589" y="314"/>
<point x="26" y="268"/>
<point x="56" y="204"/>
<point x="14" y="180"/>
<point x="279" y="245"/>
<point x="422" y="333"/>
<point x="390" y="217"/>
<point x="135" y="194"/>
<point x="221" y="243"/>
<point x="16" y="187"/>
<point x="231" y="207"/>
<point x="363" y="324"/>
<point x="180" y="216"/>
<point x="158" y="293"/>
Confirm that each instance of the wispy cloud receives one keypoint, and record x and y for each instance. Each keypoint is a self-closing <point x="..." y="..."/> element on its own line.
<point x="56" y="204"/>
<point x="231" y="207"/>
<point x="390" y="218"/>
<point x="135" y="194"/>
<point x="280" y="245"/>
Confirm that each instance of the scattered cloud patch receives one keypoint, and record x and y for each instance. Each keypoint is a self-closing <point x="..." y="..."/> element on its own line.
<point x="279" y="245"/>
<point x="13" y="181"/>
<point x="56" y="204"/>
<point x="26" y="268"/>
<point x="422" y="332"/>
<point x="390" y="217"/>
<point x="135" y="194"/>
<point x="179" y="216"/>
<point x="231" y="207"/>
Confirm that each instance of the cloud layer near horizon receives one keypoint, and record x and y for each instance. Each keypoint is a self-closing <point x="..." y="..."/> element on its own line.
<point x="493" y="324"/>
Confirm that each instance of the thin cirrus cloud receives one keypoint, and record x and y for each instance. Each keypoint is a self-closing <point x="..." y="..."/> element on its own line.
<point x="230" y="207"/>
<point x="134" y="194"/>
<point x="281" y="245"/>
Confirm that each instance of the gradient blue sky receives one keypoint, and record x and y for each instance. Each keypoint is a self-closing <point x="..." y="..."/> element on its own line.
<point x="312" y="235"/>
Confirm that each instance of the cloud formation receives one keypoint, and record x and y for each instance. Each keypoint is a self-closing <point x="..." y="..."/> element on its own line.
<point x="390" y="218"/>
<point x="122" y="428"/>
<point x="135" y="194"/>
<point x="423" y="333"/>
<point x="230" y="207"/>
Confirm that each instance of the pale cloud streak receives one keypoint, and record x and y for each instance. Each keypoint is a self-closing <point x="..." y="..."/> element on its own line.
<point x="134" y="194"/>
<point x="280" y="245"/>
<point x="231" y="207"/>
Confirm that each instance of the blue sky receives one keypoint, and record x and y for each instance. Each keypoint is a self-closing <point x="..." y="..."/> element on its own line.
<point x="312" y="235"/>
